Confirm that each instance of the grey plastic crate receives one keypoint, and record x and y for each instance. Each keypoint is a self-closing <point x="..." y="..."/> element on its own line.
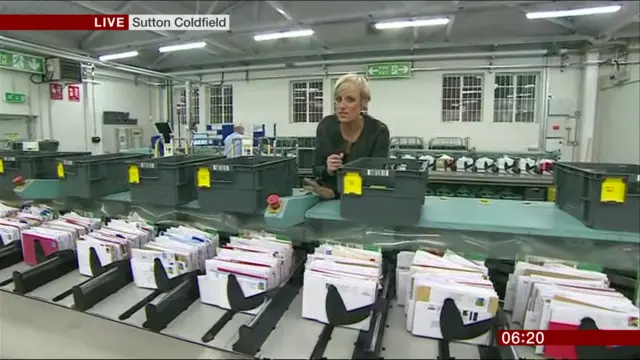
<point x="30" y="165"/>
<point x="166" y="181"/>
<point x="95" y="175"/>
<point x="535" y="194"/>
<point x="241" y="185"/>
<point x="392" y="191"/>
<point x="585" y="191"/>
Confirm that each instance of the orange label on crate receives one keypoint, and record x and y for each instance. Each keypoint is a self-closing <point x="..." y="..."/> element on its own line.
<point x="352" y="184"/>
<point x="614" y="190"/>
<point x="134" y="174"/>
<point x="203" y="178"/>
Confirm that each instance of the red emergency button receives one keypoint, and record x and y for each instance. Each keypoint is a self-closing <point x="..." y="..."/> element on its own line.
<point x="556" y="127"/>
<point x="18" y="181"/>
<point x="274" y="202"/>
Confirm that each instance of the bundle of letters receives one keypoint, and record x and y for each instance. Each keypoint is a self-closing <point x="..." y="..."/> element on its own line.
<point x="432" y="279"/>
<point x="7" y="210"/>
<point x="555" y="296"/>
<point x="180" y="250"/>
<point x="355" y="273"/>
<point x="36" y="226"/>
<point x="259" y="263"/>
<point x="113" y="242"/>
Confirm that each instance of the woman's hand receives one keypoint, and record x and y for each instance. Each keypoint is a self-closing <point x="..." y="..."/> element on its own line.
<point x="314" y="187"/>
<point x="334" y="162"/>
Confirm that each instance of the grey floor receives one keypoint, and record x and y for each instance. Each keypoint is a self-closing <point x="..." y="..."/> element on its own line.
<point x="30" y="329"/>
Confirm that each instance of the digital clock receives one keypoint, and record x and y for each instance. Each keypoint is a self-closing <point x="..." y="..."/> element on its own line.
<point x="521" y="337"/>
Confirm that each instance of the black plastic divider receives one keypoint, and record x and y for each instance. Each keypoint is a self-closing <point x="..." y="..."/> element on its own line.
<point x="604" y="352"/>
<point x="106" y="280"/>
<point x="251" y="337"/>
<point x="10" y="255"/>
<point x="181" y="292"/>
<point x="338" y="315"/>
<point x="369" y="343"/>
<point x="48" y="269"/>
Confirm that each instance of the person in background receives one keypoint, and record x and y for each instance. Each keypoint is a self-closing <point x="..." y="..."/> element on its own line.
<point x="233" y="147"/>
<point x="347" y="135"/>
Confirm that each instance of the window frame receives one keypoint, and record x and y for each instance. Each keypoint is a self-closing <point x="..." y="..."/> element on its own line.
<point x="308" y="112"/>
<point x="498" y="115"/>
<point x="461" y="89"/>
<point x="220" y="107"/>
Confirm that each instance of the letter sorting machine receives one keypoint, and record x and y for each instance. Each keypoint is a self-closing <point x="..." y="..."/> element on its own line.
<point x="497" y="231"/>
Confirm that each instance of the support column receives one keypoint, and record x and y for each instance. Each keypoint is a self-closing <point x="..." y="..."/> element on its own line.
<point x="587" y="120"/>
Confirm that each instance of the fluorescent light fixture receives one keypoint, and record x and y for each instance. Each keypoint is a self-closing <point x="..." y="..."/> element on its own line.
<point x="411" y="23"/>
<point x="190" y="46"/>
<point x="575" y="12"/>
<point x="124" y="55"/>
<point x="283" y="35"/>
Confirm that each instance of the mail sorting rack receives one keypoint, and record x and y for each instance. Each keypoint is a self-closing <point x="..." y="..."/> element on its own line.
<point x="174" y="310"/>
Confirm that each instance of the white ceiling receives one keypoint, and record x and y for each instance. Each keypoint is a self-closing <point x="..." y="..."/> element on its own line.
<point x="342" y="29"/>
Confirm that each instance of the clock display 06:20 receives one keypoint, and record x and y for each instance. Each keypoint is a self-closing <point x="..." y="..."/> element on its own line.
<point x="521" y="337"/>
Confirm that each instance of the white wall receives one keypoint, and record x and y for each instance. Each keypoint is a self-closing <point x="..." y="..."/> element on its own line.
<point x="410" y="107"/>
<point x="618" y="111"/>
<point x="74" y="123"/>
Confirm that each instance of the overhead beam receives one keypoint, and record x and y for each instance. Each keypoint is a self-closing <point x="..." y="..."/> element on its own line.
<point x="441" y="10"/>
<point x="353" y="50"/>
<point x="447" y="34"/>
<point x="622" y="22"/>
<point x="94" y="35"/>
<point x="212" y="7"/>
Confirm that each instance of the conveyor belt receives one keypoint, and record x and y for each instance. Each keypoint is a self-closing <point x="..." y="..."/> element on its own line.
<point x="291" y="337"/>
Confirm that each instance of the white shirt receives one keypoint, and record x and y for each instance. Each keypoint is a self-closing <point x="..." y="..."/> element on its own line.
<point x="233" y="148"/>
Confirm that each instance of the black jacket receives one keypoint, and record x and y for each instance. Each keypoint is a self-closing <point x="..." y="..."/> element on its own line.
<point x="372" y="142"/>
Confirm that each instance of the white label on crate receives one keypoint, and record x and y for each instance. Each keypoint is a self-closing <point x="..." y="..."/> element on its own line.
<point x="9" y="158"/>
<point x="67" y="162"/>
<point x="220" y="167"/>
<point x="147" y="165"/>
<point x="377" y="172"/>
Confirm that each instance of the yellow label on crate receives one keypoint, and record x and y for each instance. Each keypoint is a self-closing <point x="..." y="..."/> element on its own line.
<point x="60" y="170"/>
<point x="614" y="190"/>
<point x="352" y="184"/>
<point x="551" y="194"/>
<point x="203" y="178"/>
<point x="484" y="201"/>
<point x="1" y="167"/>
<point x="134" y="174"/>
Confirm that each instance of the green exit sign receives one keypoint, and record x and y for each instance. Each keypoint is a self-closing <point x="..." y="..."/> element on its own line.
<point x="389" y="70"/>
<point x="14" y="98"/>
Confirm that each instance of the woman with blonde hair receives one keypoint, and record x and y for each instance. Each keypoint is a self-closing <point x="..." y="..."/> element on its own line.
<point x="349" y="134"/>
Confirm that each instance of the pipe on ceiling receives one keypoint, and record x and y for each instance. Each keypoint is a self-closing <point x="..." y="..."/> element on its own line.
<point x="475" y="55"/>
<point x="45" y="50"/>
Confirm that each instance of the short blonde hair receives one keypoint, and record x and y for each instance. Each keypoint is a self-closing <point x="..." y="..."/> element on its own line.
<point x="358" y="81"/>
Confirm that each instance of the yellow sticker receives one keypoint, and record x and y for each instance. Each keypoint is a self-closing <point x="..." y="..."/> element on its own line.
<point x="551" y="194"/>
<point x="203" y="178"/>
<point x="352" y="184"/>
<point x="1" y="167"/>
<point x="614" y="190"/>
<point x="134" y="174"/>
<point x="60" y="169"/>
<point x="484" y="201"/>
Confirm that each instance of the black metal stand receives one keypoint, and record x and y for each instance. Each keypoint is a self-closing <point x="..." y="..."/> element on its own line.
<point x="252" y="337"/>
<point x="181" y="292"/>
<point x="10" y="254"/>
<point x="48" y="269"/>
<point x="604" y="352"/>
<point x="106" y="280"/>
<point x="369" y="342"/>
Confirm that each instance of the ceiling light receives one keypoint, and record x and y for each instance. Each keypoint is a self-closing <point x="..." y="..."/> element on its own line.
<point x="283" y="35"/>
<point x="575" y="12"/>
<point x="170" y="48"/>
<point x="124" y="55"/>
<point x="410" y="23"/>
